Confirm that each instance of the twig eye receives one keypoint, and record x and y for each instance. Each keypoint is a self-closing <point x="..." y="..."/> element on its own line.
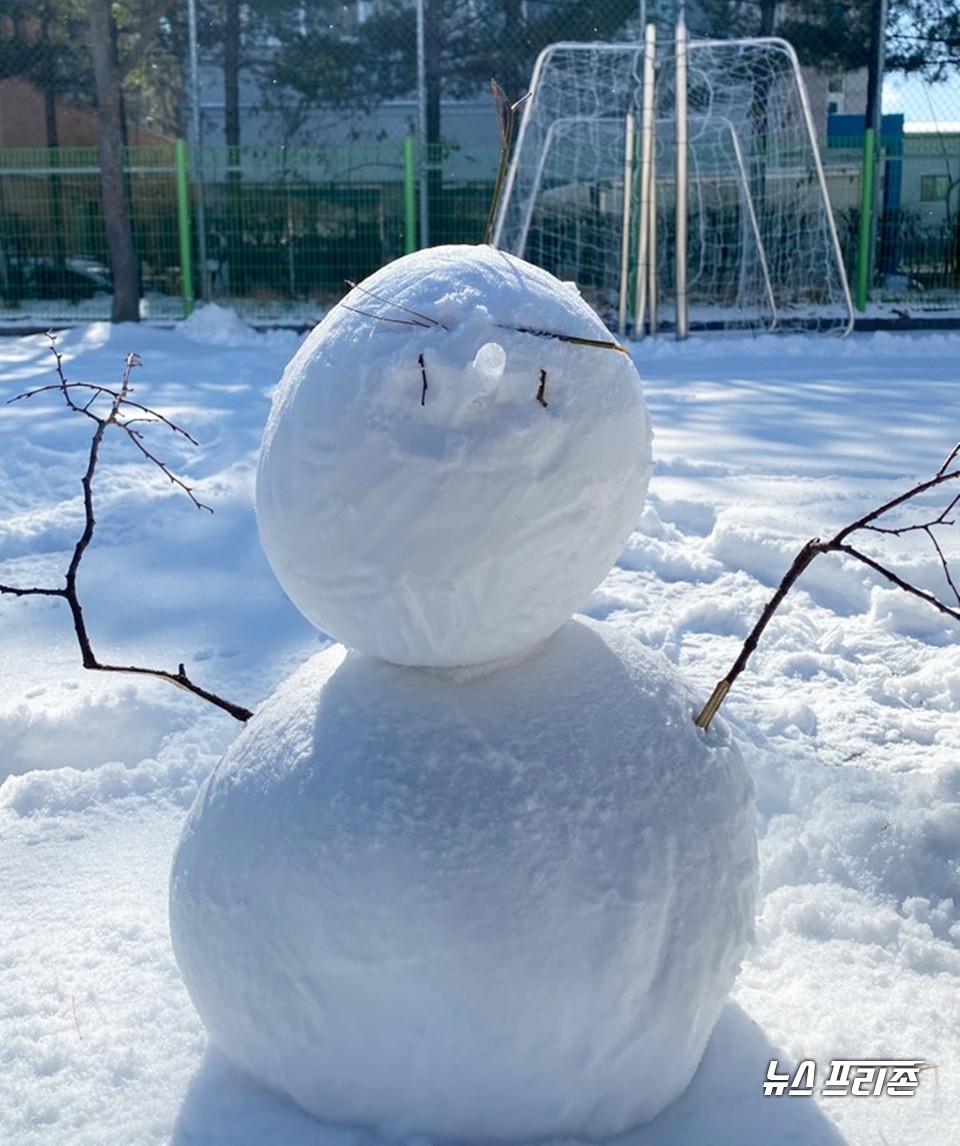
<point x="423" y="374"/>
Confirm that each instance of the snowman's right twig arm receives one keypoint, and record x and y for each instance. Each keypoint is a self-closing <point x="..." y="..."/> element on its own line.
<point x="949" y="471"/>
<point x="117" y="400"/>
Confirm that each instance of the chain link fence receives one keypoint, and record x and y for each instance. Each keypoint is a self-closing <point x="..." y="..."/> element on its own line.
<point x="275" y="150"/>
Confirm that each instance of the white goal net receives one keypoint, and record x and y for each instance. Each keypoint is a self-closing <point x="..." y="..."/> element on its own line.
<point x="594" y="184"/>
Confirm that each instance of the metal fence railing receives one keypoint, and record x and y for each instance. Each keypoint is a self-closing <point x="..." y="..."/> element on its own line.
<point x="53" y="251"/>
<point x="274" y="227"/>
<point x="273" y="232"/>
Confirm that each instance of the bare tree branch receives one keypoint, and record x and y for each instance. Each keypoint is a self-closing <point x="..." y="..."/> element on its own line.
<point x="104" y="391"/>
<point x="118" y="401"/>
<point x="948" y="471"/>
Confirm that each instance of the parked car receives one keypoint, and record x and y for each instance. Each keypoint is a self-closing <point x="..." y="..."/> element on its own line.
<point x="40" y="277"/>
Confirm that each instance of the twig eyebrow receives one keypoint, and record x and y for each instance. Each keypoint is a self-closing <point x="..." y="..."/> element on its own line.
<point x="601" y="343"/>
<point x="386" y="318"/>
<point x="427" y="322"/>
<point x="425" y="319"/>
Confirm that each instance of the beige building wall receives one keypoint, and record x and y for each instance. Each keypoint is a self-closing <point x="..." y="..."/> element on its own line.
<point x="22" y="122"/>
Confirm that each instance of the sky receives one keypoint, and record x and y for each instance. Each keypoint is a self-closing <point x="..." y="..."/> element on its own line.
<point x="922" y="101"/>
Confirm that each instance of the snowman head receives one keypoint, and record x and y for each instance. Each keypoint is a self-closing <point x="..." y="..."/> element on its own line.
<point x="453" y="460"/>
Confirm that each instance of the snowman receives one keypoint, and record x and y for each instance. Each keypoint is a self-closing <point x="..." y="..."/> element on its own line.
<point x="472" y="872"/>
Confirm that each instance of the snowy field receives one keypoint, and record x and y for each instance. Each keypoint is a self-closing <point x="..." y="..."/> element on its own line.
<point x="847" y="717"/>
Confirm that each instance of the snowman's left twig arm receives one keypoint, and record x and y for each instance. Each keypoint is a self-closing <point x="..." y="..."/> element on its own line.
<point x="949" y="471"/>
<point x="117" y="400"/>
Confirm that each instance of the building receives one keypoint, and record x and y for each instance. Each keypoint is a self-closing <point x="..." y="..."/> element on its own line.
<point x="23" y="121"/>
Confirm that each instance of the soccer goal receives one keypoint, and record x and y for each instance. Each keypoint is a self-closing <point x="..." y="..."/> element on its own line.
<point x="680" y="187"/>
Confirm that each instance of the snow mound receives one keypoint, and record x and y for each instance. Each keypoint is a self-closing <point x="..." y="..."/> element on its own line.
<point x="442" y="480"/>
<point x="491" y="904"/>
<point x="217" y="326"/>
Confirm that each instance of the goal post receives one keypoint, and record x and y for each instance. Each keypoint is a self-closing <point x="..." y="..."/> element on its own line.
<point x="562" y="205"/>
<point x="681" y="168"/>
<point x="715" y="216"/>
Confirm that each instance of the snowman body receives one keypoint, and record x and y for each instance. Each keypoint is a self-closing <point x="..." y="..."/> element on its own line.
<point x="480" y="876"/>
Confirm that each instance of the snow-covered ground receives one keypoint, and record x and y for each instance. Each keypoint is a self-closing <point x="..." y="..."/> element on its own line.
<point x="847" y="717"/>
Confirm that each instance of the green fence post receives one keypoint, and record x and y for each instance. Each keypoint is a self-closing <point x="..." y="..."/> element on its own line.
<point x="183" y="227"/>
<point x="864" y="252"/>
<point x="409" y="195"/>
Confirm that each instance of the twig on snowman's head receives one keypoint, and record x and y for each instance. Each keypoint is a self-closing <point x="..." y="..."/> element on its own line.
<point x="573" y="339"/>
<point x="118" y="401"/>
<point x="949" y="471"/>
<point x="383" y="317"/>
<point x="506" y="113"/>
<point x="417" y="319"/>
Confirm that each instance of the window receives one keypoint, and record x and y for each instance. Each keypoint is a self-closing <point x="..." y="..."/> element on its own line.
<point x="934" y="188"/>
<point x="835" y="83"/>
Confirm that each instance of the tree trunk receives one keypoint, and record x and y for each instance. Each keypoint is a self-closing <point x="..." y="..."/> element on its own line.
<point x="433" y="43"/>
<point x="50" y="88"/>
<point x="231" y="276"/>
<point x="759" y="111"/>
<point x="514" y="78"/>
<point x="231" y="73"/>
<point x="116" y="214"/>
<point x="54" y="184"/>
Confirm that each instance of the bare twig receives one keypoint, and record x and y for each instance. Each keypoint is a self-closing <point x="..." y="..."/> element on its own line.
<point x="949" y="471"/>
<point x="424" y="386"/>
<point x="118" y="401"/>
<point x="506" y="115"/>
